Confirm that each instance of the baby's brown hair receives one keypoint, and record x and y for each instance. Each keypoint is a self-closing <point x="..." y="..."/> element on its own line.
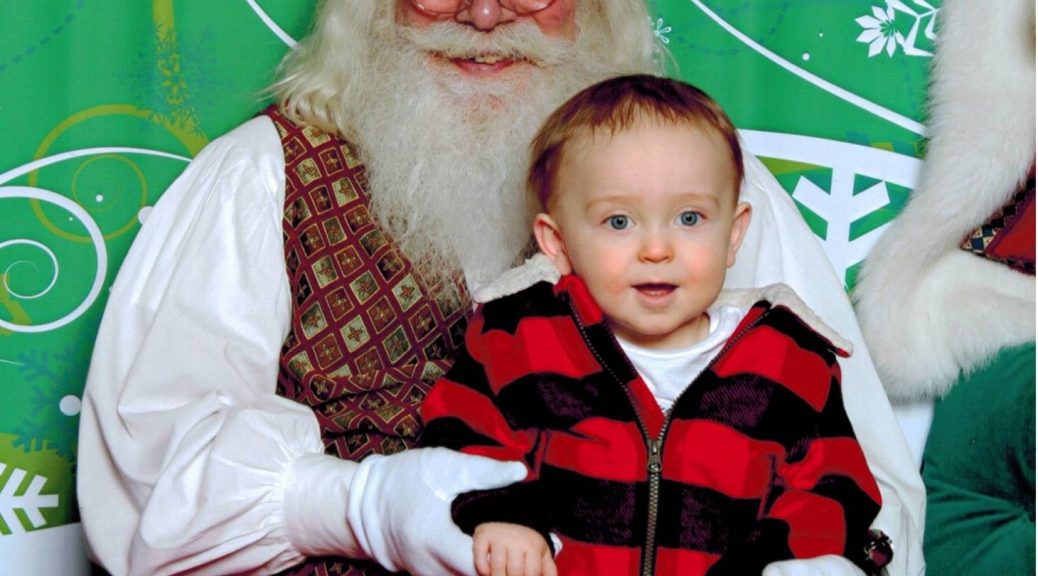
<point x="616" y="104"/>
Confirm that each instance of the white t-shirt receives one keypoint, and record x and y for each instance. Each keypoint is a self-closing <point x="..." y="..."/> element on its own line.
<point x="668" y="373"/>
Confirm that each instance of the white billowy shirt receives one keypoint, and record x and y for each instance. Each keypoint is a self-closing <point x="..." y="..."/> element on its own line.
<point x="668" y="372"/>
<point x="188" y="460"/>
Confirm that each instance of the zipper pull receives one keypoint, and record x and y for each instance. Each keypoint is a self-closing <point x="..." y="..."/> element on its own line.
<point x="655" y="461"/>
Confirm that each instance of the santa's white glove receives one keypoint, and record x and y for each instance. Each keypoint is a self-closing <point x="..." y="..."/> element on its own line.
<point x="830" y="565"/>
<point x="399" y="507"/>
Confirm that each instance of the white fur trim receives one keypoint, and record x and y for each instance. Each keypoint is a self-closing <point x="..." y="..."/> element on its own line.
<point x="537" y="268"/>
<point x="929" y="310"/>
<point x="783" y="295"/>
<point x="960" y="312"/>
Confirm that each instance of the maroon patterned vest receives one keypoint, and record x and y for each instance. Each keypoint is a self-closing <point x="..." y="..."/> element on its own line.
<point x="1008" y="236"/>
<point x="366" y="340"/>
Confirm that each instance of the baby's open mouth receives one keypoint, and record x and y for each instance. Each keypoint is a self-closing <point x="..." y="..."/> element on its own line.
<point x="655" y="288"/>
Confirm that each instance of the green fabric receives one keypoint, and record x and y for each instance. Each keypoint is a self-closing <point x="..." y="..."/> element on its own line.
<point x="978" y="468"/>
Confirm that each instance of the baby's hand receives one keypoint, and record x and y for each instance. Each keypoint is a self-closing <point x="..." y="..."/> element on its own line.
<point x="511" y="550"/>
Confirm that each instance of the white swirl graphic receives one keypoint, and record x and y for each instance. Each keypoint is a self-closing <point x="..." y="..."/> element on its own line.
<point x="72" y="154"/>
<point x="77" y="211"/>
<point x="95" y="236"/>
<point x="9" y="271"/>
<point x="269" y="22"/>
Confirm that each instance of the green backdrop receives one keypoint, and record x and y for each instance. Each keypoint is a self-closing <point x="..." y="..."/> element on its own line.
<point x="103" y="104"/>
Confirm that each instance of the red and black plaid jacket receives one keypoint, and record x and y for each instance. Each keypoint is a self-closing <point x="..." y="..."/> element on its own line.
<point x="755" y="462"/>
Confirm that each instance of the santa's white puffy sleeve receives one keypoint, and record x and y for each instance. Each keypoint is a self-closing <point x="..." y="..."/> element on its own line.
<point x="186" y="455"/>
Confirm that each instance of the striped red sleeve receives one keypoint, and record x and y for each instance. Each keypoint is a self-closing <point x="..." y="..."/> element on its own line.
<point x="462" y="412"/>
<point x="461" y="418"/>
<point x="829" y="497"/>
<point x="823" y="497"/>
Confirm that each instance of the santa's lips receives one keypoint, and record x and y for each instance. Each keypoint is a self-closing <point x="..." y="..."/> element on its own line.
<point x="484" y="63"/>
<point x="489" y="59"/>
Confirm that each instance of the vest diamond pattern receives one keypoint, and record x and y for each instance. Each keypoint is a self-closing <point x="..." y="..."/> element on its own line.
<point x="367" y="340"/>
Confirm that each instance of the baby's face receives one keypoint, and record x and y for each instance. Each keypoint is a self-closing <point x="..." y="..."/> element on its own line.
<point x="649" y="218"/>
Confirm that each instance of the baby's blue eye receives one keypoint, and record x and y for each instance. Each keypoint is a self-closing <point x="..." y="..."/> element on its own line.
<point x="688" y="218"/>
<point x="619" y="222"/>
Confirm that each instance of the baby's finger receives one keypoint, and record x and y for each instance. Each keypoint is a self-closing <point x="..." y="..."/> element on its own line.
<point x="517" y="562"/>
<point x="532" y="564"/>
<point x="548" y="567"/>
<point x="481" y="555"/>
<point x="498" y="561"/>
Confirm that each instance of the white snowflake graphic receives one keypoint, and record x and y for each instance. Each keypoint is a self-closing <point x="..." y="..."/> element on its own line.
<point x="839" y="205"/>
<point x="882" y="33"/>
<point x="29" y="501"/>
<point x="660" y="30"/>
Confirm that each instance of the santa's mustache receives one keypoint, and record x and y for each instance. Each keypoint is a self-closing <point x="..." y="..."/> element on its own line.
<point x="519" y="41"/>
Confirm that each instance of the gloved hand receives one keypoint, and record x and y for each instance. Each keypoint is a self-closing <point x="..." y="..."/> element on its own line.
<point x="399" y="507"/>
<point x="830" y="565"/>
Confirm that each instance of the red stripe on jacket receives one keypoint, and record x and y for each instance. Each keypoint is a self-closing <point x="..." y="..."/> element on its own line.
<point x="787" y="363"/>
<point x="815" y="523"/>
<point x="448" y="399"/>
<point x="679" y="562"/>
<point x="832" y="456"/>
<point x="622" y="458"/>
<point x="583" y="559"/>
<point x="706" y="453"/>
<point x="513" y="357"/>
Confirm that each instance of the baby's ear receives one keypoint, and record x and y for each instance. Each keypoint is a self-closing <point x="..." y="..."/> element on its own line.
<point x="549" y="239"/>
<point x="740" y="223"/>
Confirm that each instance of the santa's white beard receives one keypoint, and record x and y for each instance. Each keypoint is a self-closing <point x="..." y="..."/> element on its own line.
<point x="447" y="154"/>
